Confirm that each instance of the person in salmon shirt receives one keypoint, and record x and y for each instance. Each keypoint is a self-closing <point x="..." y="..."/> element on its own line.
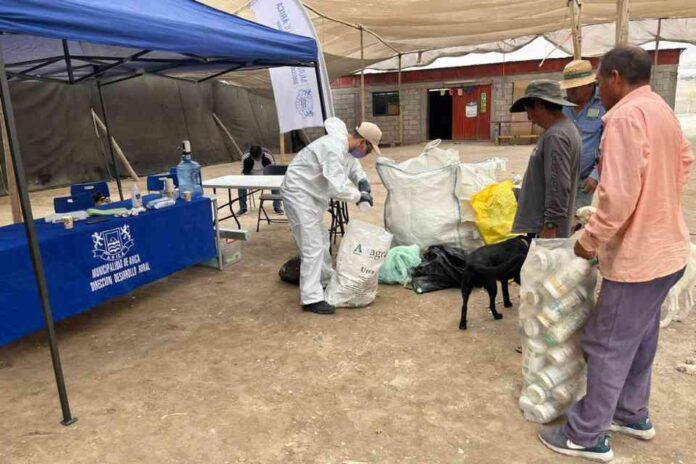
<point x="641" y="241"/>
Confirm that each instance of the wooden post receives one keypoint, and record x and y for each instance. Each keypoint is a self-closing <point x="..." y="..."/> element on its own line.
<point x="116" y="148"/>
<point x="401" y="113"/>
<point x="228" y="134"/>
<point x="282" y="148"/>
<point x="657" y="50"/>
<point x="576" y="27"/>
<point x="12" y="191"/>
<point x="362" y="76"/>
<point x="622" y="18"/>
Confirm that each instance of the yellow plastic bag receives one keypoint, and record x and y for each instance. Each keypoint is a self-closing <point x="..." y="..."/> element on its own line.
<point x="495" y="207"/>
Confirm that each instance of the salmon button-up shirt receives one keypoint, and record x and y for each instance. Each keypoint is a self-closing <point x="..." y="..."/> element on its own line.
<point x="638" y="231"/>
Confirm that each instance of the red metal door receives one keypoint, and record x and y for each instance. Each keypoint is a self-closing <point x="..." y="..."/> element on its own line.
<point x="471" y="116"/>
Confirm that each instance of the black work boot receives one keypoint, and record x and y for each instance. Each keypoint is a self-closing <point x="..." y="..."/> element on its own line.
<point x="320" y="307"/>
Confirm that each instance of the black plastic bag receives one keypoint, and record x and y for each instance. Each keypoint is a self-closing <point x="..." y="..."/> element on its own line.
<point x="442" y="267"/>
<point x="290" y="271"/>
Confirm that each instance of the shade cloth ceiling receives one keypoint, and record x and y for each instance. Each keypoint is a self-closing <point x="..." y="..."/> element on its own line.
<point x="110" y="38"/>
<point x="423" y="31"/>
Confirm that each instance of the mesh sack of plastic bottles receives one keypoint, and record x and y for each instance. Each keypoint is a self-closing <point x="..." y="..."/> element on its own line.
<point x="557" y="296"/>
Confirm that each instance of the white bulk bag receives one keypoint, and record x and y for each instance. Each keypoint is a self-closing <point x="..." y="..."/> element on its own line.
<point x="422" y="208"/>
<point x="362" y="253"/>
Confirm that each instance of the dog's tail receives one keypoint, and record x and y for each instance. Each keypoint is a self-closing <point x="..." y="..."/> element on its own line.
<point x="506" y="268"/>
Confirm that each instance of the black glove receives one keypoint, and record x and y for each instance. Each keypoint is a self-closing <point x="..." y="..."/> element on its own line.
<point x="365" y="196"/>
<point x="364" y="186"/>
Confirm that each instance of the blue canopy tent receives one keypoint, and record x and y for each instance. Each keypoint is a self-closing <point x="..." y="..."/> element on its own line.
<point x="108" y="41"/>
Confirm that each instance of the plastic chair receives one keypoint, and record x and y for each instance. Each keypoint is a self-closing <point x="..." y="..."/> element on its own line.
<point x="155" y="183"/>
<point x="100" y="187"/>
<point x="77" y="202"/>
<point x="271" y="170"/>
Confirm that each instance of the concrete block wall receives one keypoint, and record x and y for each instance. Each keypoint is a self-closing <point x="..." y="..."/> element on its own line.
<point x="665" y="82"/>
<point x="414" y="103"/>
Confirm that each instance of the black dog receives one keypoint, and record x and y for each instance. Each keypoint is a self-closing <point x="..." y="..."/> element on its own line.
<point x="489" y="264"/>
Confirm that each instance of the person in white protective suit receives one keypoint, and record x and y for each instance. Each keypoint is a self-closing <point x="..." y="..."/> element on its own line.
<point x="325" y="169"/>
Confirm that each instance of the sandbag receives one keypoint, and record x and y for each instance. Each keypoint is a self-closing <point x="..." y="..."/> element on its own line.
<point x="495" y="208"/>
<point x="290" y="271"/>
<point x="441" y="267"/>
<point x="400" y="261"/>
<point x="362" y="252"/>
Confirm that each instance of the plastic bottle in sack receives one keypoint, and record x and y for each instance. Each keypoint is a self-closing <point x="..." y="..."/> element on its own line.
<point x="546" y="412"/>
<point x="567" y="393"/>
<point x="553" y="376"/>
<point x="535" y="327"/>
<point x="525" y="312"/>
<point x="568" y="278"/>
<point x="537" y="394"/>
<point x="364" y="206"/>
<point x="568" y="325"/>
<point x="524" y="402"/>
<point x="531" y="297"/>
<point x="534" y="359"/>
<point x="562" y="354"/>
<point x="545" y="260"/>
<point x="555" y="309"/>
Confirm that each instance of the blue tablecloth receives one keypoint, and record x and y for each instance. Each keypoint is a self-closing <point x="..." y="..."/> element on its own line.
<point x="93" y="263"/>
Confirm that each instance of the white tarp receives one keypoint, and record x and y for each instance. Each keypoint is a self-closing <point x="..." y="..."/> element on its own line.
<point x="423" y="31"/>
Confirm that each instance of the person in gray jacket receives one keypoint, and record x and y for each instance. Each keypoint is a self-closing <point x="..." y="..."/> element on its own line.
<point x="546" y="201"/>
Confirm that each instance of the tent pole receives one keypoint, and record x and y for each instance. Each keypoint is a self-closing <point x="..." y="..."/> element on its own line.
<point x="401" y="116"/>
<point x="576" y="27"/>
<point x="362" y="77"/>
<point x="32" y="238"/>
<point x="281" y="143"/>
<point x="114" y="166"/>
<point x="9" y="167"/>
<point x="622" y="18"/>
<point x="321" y="91"/>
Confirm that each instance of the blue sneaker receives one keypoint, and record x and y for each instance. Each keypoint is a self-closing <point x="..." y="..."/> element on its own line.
<point x="556" y="440"/>
<point x="643" y="430"/>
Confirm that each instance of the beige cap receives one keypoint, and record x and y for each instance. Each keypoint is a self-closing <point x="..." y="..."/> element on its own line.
<point x="576" y="74"/>
<point x="371" y="133"/>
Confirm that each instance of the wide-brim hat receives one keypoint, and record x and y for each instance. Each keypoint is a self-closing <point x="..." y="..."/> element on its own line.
<point x="576" y="74"/>
<point x="541" y="89"/>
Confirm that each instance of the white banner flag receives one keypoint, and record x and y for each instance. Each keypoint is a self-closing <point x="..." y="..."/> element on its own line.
<point x="295" y="88"/>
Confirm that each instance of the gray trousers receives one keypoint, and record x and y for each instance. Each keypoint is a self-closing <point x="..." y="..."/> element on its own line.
<point x="619" y="341"/>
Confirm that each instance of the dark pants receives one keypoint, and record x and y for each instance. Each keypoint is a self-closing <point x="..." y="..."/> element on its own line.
<point x="619" y="341"/>
<point x="277" y="204"/>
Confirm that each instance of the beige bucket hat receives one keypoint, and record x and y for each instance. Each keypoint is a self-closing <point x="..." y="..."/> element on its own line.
<point x="370" y="132"/>
<point x="576" y="74"/>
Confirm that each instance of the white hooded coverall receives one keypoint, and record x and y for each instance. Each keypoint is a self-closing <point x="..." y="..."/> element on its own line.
<point x="321" y="171"/>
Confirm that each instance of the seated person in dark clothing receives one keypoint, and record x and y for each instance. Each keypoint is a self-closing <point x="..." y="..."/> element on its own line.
<point x="253" y="163"/>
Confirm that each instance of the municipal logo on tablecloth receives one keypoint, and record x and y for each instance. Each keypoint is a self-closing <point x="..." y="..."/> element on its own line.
<point x="112" y="244"/>
<point x="304" y="102"/>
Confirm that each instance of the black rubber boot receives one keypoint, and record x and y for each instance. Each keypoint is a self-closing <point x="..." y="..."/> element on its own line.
<point x="321" y="307"/>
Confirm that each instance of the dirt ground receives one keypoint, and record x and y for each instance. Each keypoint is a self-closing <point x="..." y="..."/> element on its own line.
<point x="223" y="367"/>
